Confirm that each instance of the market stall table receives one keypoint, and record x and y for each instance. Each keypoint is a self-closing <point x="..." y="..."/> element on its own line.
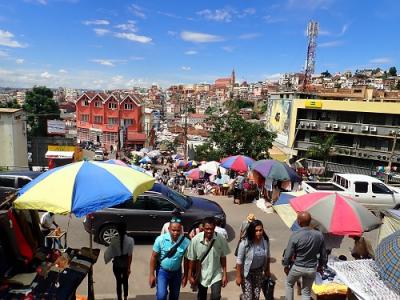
<point x="52" y="280"/>
<point x="57" y="236"/>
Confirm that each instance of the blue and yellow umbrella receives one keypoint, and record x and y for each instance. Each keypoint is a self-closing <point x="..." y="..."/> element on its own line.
<point x="82" y="187"/>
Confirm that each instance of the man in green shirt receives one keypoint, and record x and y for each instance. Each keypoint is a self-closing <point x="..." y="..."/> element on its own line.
<point x="207" y="254"/>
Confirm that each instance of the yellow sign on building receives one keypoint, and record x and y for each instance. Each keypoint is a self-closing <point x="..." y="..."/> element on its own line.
<point x="60" y="148"/>
<point x="313" y="104"/>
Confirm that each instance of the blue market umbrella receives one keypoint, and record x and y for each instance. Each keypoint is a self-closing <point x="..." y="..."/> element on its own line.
<point x="387" y="258"/>
<point x="276" y="170"/>
<point x="285" y="211"/>
<point x="145" y="160"/>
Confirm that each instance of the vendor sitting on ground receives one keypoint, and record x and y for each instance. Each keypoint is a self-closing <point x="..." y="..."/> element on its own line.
<point x="362" y="248"/>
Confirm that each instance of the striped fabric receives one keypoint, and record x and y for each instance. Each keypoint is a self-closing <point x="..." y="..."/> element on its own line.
<point x="388" y="261"/>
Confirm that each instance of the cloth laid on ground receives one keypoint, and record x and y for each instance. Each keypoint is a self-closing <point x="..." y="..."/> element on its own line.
<point x="23" y="279"/>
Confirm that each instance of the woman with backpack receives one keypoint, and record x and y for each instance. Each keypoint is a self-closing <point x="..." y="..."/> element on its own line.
<point x="253" y="261"/>
<point x="120" y="251"/>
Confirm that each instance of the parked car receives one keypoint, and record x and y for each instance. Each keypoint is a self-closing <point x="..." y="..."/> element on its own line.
<point x="367" y="190"/>
<point x="98" y="155"/>
<point x="12" y="181"/>
<point x="147" y="215"/>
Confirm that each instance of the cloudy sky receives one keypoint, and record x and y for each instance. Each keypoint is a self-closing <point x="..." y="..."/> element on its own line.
<point x="121" y="43"/>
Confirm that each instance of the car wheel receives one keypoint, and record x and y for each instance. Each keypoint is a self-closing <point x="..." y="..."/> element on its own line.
<point x="107" y="233"/>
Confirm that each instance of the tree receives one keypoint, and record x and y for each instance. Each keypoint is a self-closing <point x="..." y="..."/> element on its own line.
<point x="10" y="104"/>
<point x="40" y="107"/>
<point x="323" y="148"/>
<point x="233" y="135"/>
<point x="326" y="74"/>
<point x="397" y="87"/>
<point x="210" y="110"/>
<point x="207" y="152"/>
<point x="392" y="71"/>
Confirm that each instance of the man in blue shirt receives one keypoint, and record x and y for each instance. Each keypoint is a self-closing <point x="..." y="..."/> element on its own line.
<point x="169" y="251"/>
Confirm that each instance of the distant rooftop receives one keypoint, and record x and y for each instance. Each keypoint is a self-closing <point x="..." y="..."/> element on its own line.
<point x="9" y="110"/>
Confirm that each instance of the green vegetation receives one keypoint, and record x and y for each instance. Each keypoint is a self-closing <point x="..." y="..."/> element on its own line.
<point x="392" y="71"/>
<point x="40" y="107"/>
<point x="10" y="104"/>
<point x="322" y="150"/>
<point x="232" y="135"/>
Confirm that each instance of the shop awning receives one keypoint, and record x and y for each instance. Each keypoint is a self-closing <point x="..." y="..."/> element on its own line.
<point x="59" y="154"/>
<point x="136" y="137"/>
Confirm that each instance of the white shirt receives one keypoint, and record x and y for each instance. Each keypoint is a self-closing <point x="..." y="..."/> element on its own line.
<point x="47" y="220"/>
<point x="221" y="231"/>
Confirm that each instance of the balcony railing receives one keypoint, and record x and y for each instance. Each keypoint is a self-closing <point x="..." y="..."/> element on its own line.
<point x="349" y="128"/>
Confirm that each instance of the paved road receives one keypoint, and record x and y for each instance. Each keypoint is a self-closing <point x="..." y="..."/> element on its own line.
<point x="138" y="286"/>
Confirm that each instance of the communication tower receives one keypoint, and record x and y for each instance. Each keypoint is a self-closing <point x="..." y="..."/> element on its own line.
<point x="312" y="33"/>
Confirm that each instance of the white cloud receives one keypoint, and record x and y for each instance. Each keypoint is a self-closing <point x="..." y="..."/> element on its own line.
<point x="381" y="60"/>
<point x="219" y="15"/>
<point x="136" y="58"/>
<point x="198" y="37"/>
<point x="19" y="61"/>
<point x="186" y="68"/>
<point x="3" y="53"/>
<point x="101" y="31"/>
<point x="96" y="22"/>
<point x="229" y="49"/>
<point x="345" y="27"/>
<point x="42" y="2"/>
<point x="137" y="11"/>
<point x="191" y="52"/>
<point x="46" y="75"/>
<point x="133" y="37"/>
<point x="129" y="26"/>
<point x="330" y="44"/>
<point x="274" y="76"/>
<point x="7" y="40"/>
<point x="309" y="4"/>
<point x="62" y="71"/>
<point x="272" y="20"/>
<point x="249" y="36"/>
<point x="104" y="62"/>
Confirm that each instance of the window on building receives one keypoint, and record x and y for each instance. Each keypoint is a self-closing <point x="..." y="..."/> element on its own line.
<point x="361" y="187"/>
<point x="129" y="122"/>
<point x="85" y="103"/>
<point x="98" y="104"/>
<point x="112" y="121"/>
<point x="85" y="118"/>
<point x="112" y="105"/>
<point x="98" y="119"/>
<point x="128" y="106"/>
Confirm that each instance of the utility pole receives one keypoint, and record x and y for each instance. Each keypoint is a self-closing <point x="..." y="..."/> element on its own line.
<point x="185" y="132"/>
<point x="391" y="155"/>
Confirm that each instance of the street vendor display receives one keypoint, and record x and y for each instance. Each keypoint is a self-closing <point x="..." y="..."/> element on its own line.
<point x="362" y="277"/>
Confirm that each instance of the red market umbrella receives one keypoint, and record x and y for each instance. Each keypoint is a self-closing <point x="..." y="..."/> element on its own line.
<point x="336" y="214"/>
<point x="238" y="163"/>
<point x="195" y="174"/>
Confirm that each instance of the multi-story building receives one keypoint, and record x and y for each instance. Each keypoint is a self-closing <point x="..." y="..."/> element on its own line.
<point x="367" y="133"/>
<point x="13" y="137"/>
<point x="21" y="97"/>
<point x="110" y="120"/>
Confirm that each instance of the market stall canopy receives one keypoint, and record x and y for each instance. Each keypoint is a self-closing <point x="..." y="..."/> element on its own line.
<point x="83" y="187"/>
<point x="285" y="211"/>
<point x="195" y="174"/>
<point x="336" y="214"/>
<point x="390" y="224"/>
<point x="59" y="154"/>
<point x="145" y="160"/>
<point x="116" y="162"/>
<point x="275" y="170"/>
<point x="238" y="163"/>
<point x="212" y="168"/>
<point x="388" y="261"/>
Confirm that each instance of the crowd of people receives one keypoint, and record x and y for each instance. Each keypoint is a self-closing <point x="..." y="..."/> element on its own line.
<point x="200" y="259"/>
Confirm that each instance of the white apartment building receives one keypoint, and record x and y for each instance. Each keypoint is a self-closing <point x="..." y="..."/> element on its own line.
<point x="13" y="137"/>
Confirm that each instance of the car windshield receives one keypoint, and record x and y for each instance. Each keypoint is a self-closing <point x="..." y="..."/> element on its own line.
<point x="181" y="200"/>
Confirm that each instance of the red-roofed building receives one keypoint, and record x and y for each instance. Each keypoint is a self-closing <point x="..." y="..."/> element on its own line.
<point x="103" y="118"/>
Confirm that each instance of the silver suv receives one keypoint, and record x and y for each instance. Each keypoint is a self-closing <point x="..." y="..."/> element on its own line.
<point x="12" y="181"/>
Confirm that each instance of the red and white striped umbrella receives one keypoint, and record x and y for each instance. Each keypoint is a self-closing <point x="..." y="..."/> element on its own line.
<point x="336" y="214"/>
